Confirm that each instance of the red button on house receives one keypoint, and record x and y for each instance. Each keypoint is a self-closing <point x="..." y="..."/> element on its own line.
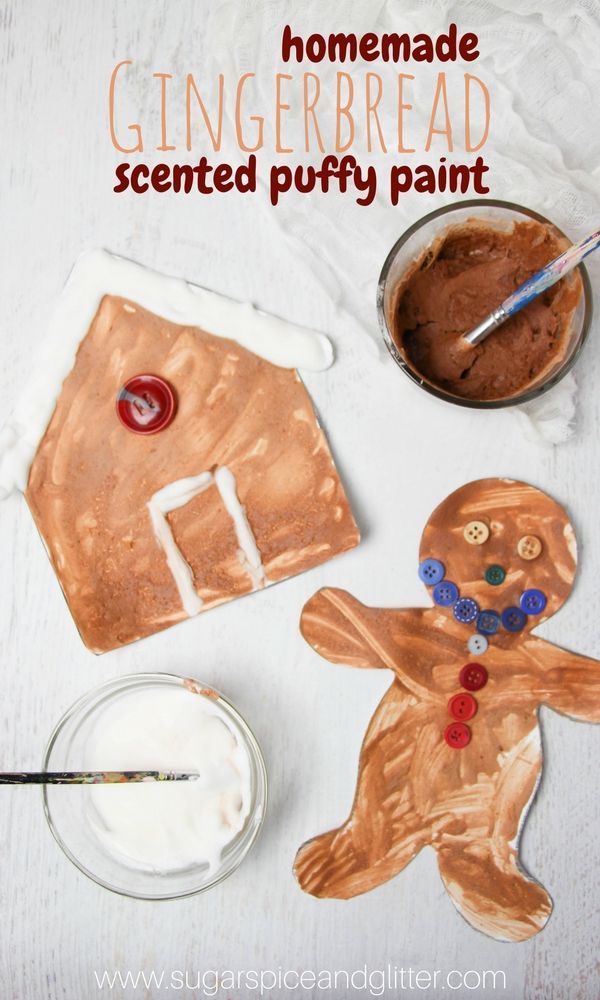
<point x="146" y="404"/>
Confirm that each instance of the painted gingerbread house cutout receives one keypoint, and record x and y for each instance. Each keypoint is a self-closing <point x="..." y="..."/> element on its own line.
<point x="239" y="491"/>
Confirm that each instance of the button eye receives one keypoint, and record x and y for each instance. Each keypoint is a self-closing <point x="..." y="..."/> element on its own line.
<point x="476" y="532"/>
<point x="529" y="547"/>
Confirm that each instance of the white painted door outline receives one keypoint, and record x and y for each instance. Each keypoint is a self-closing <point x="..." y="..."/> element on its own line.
<point x="178" y="494"/>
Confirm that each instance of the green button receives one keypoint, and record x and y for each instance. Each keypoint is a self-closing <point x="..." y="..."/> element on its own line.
<point x="495" y="575"/>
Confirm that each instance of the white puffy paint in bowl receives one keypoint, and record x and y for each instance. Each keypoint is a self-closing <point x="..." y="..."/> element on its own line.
<point x="166" y="826"/>
<point x="156" y="840"/>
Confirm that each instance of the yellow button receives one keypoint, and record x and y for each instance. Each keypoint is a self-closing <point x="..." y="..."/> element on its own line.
<point x="529" y="547"/>
<point x="476" y="532"/>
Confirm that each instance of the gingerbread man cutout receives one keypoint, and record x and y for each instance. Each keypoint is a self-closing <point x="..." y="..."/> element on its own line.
<point x="452" y="756"/>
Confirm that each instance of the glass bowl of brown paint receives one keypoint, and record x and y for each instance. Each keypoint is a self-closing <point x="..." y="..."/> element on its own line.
<point x="448" y="271"/>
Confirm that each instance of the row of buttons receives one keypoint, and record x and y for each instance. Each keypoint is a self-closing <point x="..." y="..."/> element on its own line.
<point x="477" y="533"/>
<point x="466" y="610"/>
<point x="532" y="602"/>
<point x="463" y="706"/>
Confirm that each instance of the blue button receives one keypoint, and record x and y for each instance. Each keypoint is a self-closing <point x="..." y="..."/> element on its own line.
<point x="466" y="610"/>
<point x="431" y="571"/>
<point x="488" y="622"/>
<point x="445" y="593"/>
<point x="533" y="602"/>
<point x="513" y="619"/>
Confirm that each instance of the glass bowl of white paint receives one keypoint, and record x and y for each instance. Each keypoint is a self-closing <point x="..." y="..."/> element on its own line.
<point x="159" y="839"/>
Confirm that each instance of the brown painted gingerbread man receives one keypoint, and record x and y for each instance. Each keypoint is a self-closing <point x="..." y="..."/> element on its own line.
<point x="452" y="756"/>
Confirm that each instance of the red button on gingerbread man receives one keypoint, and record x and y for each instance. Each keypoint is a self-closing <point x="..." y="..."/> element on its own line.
<point x="498" y="557"/>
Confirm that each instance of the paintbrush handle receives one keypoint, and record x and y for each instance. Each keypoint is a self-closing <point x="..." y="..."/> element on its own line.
<point x="90" y="777"/>
<point x="550" y="274"/>
<point x="534" y="286"/>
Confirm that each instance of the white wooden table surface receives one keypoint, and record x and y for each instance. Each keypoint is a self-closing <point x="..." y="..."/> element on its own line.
<point x="399" y="452"/>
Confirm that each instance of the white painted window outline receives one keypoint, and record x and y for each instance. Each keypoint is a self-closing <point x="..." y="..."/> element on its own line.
<point x="178" y="494"/>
